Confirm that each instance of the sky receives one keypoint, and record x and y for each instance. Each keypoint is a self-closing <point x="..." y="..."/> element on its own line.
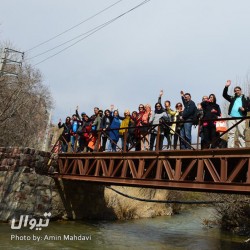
<point x="193" y="45"/>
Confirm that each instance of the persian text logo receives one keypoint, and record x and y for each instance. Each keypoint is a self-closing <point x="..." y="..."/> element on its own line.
<point x="32" y="223"/>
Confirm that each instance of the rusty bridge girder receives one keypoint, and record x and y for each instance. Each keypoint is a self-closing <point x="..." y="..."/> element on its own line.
<point x="218" y="170"/>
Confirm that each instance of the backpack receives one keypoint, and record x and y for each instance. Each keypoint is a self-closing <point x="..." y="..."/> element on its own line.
<point x="165" y="121"/>
<point x="197" y="116"/>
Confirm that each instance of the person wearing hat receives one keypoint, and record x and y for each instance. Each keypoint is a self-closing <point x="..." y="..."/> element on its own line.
<point x="83" y="114"/>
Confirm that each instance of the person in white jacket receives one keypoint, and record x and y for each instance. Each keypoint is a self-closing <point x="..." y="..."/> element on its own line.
<point x="155" y="120"/>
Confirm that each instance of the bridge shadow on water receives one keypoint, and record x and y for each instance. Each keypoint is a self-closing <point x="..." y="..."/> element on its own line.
<point x="84" y="201"/>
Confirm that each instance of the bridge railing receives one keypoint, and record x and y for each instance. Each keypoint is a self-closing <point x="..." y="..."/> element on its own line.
<point x="134" y="135"/>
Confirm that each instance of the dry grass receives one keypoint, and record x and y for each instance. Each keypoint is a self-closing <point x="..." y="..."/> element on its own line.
<point x="126" y="208"/>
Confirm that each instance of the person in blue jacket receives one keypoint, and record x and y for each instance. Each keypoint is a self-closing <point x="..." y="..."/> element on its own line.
<point x="114" y="130"/>
<point x="73" y="131"/>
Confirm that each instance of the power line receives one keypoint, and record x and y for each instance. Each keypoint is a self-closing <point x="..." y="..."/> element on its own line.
<point x="60" y="51"/>
<point x="94" y="31"/>
<point x="89" y="18"/>
<point x="9" y="66"/>
<point x="164" y="201"/>
<point x="46" y="51"/>
<point x="194" y="202"/>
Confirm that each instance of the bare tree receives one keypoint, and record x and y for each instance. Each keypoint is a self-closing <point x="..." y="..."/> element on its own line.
<point x="24" y="107"/>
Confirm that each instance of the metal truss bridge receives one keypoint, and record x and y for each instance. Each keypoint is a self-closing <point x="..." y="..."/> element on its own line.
<point x="208" y="170"/>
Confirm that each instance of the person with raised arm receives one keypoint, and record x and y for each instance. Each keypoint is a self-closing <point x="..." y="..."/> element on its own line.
<point x="124" y="127"/>
<point x="168" y="132"/>
<point x="73" y="131"/>
<point x="114" y="130"/>
<point x="78" y="116"/>
<point x="155" y="119"/>
<point x="238" y="107"/>
<point x="105" y="125"/>
<point x="96" y="125"/>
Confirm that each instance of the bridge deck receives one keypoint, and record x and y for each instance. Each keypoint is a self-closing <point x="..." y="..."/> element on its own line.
<point x="211" y="170"/>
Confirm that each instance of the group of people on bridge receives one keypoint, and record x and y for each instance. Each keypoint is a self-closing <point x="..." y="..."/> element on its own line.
<point x="140" y="129"/>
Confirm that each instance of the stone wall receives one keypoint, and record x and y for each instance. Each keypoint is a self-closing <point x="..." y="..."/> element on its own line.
<point x="26" y="189"/>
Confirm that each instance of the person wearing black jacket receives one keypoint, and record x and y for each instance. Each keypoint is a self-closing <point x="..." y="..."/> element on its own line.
<point x="211" y="110"/>
<point x="66" y="133"/>
<point x="238" y="107"/>
<point x="188" y="115"/>
<point x="105" y="126"/>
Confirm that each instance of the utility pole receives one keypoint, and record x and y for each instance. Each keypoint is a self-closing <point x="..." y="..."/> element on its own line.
<point x="2" y="62"/>
<point x="8" y="66"/>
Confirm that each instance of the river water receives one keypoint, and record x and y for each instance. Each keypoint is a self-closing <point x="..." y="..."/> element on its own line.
<point x="182" y="231"/>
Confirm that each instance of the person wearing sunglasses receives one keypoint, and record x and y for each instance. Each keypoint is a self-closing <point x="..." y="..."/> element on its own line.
<point x="155" y="120"/>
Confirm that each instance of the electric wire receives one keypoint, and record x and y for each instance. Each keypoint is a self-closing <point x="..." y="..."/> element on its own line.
<point x="46" y="51"/>
<point x="94" y="31"/>
<point x="71" y="28"/>
<point x="164" y="201"/>
<point x="160" y="201"/>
